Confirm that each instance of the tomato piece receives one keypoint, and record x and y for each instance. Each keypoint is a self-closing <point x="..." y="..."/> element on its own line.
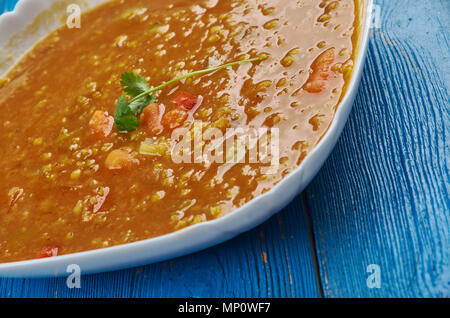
<point x="48" y="251"/>
<point x="320" y="72"/>
<point x="100" y="199"/>
<point x="174" y="118"/>
<point x="101" y="124"/>
<point x="152" y="116"/>
<point x="121" y="159"/>
<point x="185" y="100"/>
<point x="14" y="195"/>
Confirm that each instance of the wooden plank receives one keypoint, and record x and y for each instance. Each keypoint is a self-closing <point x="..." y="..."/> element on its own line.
<point x="383" y="196"/>
<point x="7" y="5"/>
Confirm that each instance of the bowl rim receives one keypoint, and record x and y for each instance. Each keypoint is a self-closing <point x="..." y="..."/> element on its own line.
<point x="200" y="236"/>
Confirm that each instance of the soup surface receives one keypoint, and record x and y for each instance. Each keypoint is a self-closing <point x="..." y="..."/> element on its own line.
<point x="70" y="181"/>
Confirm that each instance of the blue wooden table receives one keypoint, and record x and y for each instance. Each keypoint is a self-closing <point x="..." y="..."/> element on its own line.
<point x="377" y="215"/>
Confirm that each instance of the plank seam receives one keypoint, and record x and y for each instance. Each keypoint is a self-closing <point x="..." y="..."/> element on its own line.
<point x="312" y="242"/>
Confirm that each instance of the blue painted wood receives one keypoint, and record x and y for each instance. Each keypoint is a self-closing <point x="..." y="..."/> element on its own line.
<point x="7" y="5"/>
<point x="383" y="196"/>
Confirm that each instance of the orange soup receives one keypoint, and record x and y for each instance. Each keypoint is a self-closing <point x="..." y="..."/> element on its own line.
<point x="84" y="168"/>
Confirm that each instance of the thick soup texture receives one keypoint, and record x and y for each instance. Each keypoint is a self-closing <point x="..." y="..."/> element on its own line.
<point x="70" y="181"/>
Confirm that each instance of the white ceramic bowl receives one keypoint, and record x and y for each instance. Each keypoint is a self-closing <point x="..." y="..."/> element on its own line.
<point x="17" y="36"/>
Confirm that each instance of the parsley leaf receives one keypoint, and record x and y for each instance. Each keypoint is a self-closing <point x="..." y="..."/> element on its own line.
<point x="125" y="114"/>
<point x="133" y="84"/>
<point x="138" y="105"/>
<point x="124" y="117"/>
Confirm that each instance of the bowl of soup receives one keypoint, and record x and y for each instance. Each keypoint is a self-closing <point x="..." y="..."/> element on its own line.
<point x="137" y="131"/>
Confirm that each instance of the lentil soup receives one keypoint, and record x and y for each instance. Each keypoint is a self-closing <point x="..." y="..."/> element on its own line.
<point x="71" y="181"/>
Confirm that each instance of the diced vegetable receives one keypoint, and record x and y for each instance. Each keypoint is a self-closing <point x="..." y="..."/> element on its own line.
<point x="101" y="124"/>
<point x="14" y="195"/>
<point x="152" y="116"/>
<point x="185" y="100"/>
<point x="48" y="251"/>
<point x="174" y="118"/>
<point x="150" y="147"/>
<point x="100" y="199"/>
<point x="320" y="72"/>
<point x="121" y="159"/>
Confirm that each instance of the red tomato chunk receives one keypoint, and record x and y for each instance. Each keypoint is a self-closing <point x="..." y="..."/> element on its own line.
<point x="320" y="72"/>
<point x="174" y="118"/>
<point x="100" y="199"/>
<point x="121" y="159"/>
<point x="152" y="116"/>
<point x="185" y="100"/>
<point x="101" y="124"/>
<point x="48" y="251"/>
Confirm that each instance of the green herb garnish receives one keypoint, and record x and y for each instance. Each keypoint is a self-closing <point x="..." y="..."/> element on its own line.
<point x="141" y="95"/>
